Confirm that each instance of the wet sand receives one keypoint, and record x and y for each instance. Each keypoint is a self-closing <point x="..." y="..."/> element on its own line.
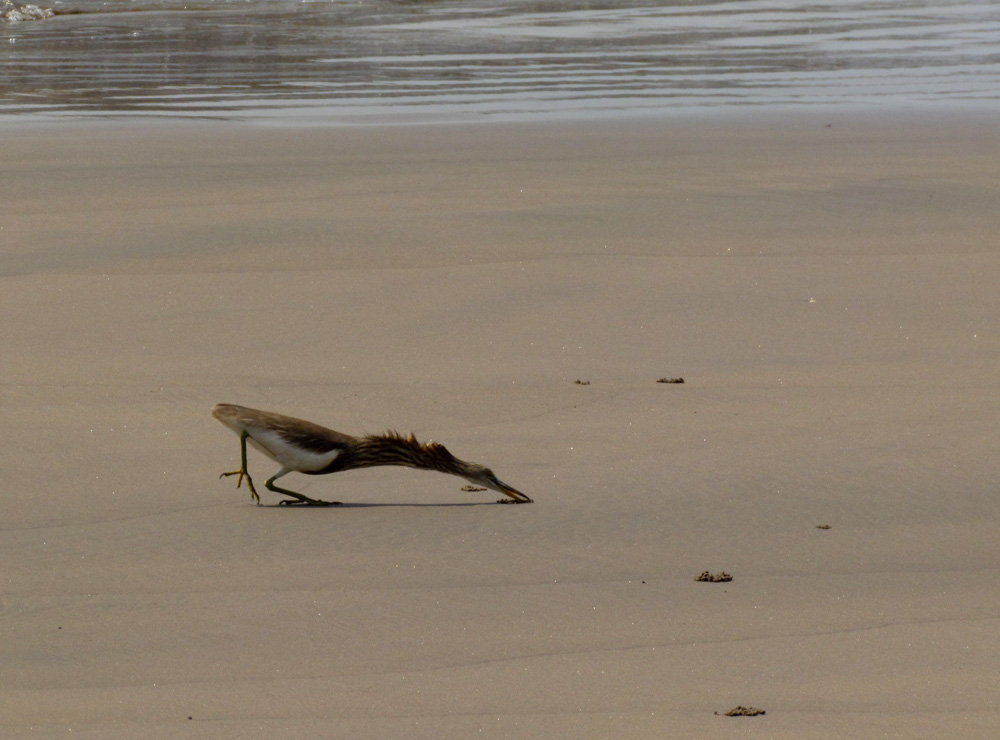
<point x="827" y="292"/>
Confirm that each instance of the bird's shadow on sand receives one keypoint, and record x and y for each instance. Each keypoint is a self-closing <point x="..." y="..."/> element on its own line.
<point x="346" y="505"/>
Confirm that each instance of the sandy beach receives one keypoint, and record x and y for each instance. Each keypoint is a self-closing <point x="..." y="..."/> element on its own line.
<point x="827" y="289"/>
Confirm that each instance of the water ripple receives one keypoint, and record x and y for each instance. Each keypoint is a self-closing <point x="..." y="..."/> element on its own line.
<point x="394" y="59"/>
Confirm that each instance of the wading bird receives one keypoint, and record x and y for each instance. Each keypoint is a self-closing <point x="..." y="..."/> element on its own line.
<point x="304" y="447"/>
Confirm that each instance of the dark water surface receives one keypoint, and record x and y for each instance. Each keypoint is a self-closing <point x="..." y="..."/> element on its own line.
<point x="402" y="60"/>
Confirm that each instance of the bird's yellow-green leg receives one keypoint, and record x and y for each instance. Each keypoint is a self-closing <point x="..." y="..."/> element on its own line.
<point x="242" y="472"/>
<point x="299" y="498"/>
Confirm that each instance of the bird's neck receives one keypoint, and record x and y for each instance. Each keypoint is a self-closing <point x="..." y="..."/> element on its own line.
<point x="394" y="449"/>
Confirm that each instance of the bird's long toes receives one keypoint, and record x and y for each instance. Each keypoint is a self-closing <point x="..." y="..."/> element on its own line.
<point x="239" y="481"/>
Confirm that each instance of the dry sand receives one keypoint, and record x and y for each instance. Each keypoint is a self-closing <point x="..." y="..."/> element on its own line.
<point x="828" y="293"/>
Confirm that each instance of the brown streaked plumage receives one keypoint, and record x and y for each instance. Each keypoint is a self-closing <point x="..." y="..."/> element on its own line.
<point x="304" y="447"/>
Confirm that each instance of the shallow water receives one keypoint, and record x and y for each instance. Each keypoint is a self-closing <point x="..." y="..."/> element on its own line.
<point x="400" y="60"/>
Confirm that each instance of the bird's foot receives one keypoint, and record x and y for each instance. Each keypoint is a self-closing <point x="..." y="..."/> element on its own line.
<point x="515" y="501"/>
<point x="240" y="473"/>
<point x="244" y="474"/>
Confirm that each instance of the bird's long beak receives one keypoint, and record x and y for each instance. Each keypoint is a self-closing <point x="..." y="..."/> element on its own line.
<point x="519" y="498"/>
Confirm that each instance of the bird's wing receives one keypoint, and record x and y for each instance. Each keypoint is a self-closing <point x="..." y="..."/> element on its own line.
<point x="295" y="443"/>
<point x="311" y="437"/>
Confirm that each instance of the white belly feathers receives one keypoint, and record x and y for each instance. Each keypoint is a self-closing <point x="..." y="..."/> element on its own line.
<point x="275" y="447"/>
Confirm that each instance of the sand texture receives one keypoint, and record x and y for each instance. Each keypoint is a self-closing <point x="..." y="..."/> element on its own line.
<point x="829" y="294"/>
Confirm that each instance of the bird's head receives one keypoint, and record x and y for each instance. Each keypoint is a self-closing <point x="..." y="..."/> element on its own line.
<point x="483" y="476"/>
